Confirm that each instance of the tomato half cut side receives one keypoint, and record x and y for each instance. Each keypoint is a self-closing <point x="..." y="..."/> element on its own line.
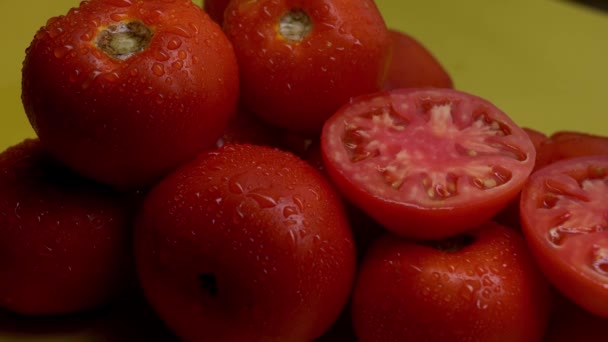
<point x="565" y="220"/>
<point x="426" y="163"/>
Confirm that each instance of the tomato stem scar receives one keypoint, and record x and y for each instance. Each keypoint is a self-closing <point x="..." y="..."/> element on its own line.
<point x="295" y="25"/>
<point x="124" y="39"/>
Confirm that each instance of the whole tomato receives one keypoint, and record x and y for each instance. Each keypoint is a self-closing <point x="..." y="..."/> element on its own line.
<point x="65" y="241"/>
<point x="245" y="243"/>
<point x="125" y="91"/>
<point x="301" y="60"/>
<point x="215" y="9"/>
<point x="481" y="286"/>
<point x="413" y="65"/>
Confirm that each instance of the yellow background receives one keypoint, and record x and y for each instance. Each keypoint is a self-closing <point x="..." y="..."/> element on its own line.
<point x="542" y="61"/>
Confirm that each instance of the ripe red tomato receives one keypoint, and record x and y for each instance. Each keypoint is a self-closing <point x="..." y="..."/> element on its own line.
<point x="300" y="61"/>
<point x="563" y="212"/>
<point x="246" y="243"/>
<point x="413" y="65"/>
<point x="426" y="163"/>
<point x="65" y="242"/>
<point x="215" y="9"/>
<point x="246" y="128"/>
<point x="571" y="323"/>
<point x="482" y="286"/>
<point x="125" y="91"/>
<point x="569" y="144"/>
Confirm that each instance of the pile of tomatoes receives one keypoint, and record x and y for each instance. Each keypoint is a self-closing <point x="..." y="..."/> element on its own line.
<point x="290" y="171"/>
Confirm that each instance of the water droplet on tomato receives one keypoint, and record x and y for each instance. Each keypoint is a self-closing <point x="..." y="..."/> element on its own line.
<point x="161" y="55"/>
<point x="182" y="54"/>
<point x="158" y="69"/>
<point x="55" y="32"/>
<point x="160" y="98"/>
<point x="174" y="43"/>
<point x="180" y="31"/>
<point x="74" y="75"/>
<point x="177" y="65"/>
<point x="264" y="201"/>
<point x="119" y="16"/>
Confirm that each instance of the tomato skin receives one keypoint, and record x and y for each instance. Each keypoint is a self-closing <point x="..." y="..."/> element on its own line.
<point x="563" y="218"/>
<point x="215" y="9"/>
<point x="489" y="290"/>
<point x="298" y="85"/>
<point x="65" y="242"/>
<point x="569" y="144"/>
<point x="570" y="322"/>
<point x="246" y="128"/>
<point x="127" y="122"/>
<point x="387" y="151"/>
<point x="246" y="243"/>
<point x="413" y="65"/>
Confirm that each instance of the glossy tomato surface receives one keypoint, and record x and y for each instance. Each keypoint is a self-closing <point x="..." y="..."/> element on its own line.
<point x="125" y="91"/>
<point x="570" y="144"/>
<point x="413" y="65"/>
<point x="245" y="243"/>
<point x="563" y="212"/>
<point x="215" y="9"/>
<point x="426" y="163"/>
<point x="482" y="286"/>
<point x="65" y="242"/>
<point x="299" y="61"/>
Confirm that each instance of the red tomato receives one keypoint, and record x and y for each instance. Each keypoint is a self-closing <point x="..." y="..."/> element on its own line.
<point x="571" y="323"/>
<point x="65" y="242"/>
<point x="563" y="212"/>
<point x="568" y="144"/>
<point x="300" y="60"/>
<point x="482" y="286"/>
<point x="426" y="163"/>
<point x="246" y="243"/>
<point x="413" y="65"/>
<point x="215" y="9"/>
<point x="246" y="128"/>
<point x="537" y="137"/>
<point x="125" y="91"/>
<point x="509" y="216"/>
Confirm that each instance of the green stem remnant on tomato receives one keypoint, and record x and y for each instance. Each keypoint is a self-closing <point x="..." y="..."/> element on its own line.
<point x="123" y="40"/>
<point x="295" y="25"/>
<point x="452" y="244"/>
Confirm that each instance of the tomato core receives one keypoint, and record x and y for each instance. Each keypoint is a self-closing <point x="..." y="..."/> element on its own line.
<point x="295" y="26"/>
<point x="124" y="39"/>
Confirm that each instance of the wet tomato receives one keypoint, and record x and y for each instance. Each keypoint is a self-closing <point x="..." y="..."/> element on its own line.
<point x="245" y="243"/>
<point x="65" y="242"/>
<point x="125" y="91"/>
<point x="426" y="163"/>
<point x="563" y="213"/>
<point x="299" y="61"/>
<point x="480" y="286"/>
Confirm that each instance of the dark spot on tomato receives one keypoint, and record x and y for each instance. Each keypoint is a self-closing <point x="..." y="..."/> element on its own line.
<point x="452" y="244"/>
<point x="208" y="283"/>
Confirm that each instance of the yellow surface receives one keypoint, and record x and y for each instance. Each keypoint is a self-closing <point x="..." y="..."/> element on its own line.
<point x="542" y="61"/>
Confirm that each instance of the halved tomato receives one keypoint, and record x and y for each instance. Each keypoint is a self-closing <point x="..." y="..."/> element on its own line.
<point x="565" y="220"/>
<point x="426" y="163"/>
